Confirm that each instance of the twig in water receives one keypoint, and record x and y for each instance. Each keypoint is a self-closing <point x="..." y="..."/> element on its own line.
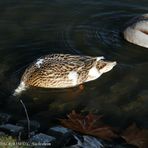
<point x="28" y="120"/>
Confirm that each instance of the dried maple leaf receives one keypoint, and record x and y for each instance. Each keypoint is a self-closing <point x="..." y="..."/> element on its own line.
<point x="89" y="124"/>
<point x="136" y="136"/>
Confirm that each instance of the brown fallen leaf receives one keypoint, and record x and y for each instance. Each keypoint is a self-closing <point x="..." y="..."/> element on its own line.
<point x="89" y="124"/>
<point x="136" y="136"/>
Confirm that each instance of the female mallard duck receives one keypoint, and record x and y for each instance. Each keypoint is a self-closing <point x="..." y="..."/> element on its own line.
<point x="63" y="71"/>
<point x="137" y="31"/>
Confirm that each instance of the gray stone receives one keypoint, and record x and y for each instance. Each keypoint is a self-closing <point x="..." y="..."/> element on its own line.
<point x="4" y="118"/>
<point x="60" y="129"/>
<point x="87" y="142"/>
<point x="92" y="142"/>
<point x="42" y="139"/>
<point x="12" y="129"/>
<point x="63" y="135"/>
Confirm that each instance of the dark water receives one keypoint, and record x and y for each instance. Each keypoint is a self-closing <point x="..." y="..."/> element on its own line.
<point x="31" y="29"/>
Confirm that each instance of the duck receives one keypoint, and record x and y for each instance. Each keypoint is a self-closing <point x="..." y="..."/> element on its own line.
<point x="63" y="71"/>
<point x="136" y="31"/>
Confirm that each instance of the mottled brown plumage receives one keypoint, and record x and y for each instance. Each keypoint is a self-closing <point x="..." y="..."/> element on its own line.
<point x="64" y="70"/>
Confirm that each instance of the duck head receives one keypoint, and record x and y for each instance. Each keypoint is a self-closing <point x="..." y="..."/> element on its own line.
<point x="105" y="66"/>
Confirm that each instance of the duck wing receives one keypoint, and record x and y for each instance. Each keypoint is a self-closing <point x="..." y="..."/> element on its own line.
<point x="58" y="70"/>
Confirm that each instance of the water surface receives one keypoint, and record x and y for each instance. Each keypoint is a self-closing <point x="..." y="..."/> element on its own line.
<point x="29" y="30"/>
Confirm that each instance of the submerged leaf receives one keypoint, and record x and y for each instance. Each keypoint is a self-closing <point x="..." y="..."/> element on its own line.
<point x="89" y="124"/>
<point x="136" y="136"/>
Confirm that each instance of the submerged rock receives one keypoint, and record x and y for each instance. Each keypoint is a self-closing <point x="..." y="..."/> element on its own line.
<point x="59" y="131"/>
<point x="11" y="129"/>
<point x="87" y="142"/>
<point x="42" y="140"/>
<point x="66" y="138"/>
<point x="92" y="142"/>
<point x="63" y="135"/>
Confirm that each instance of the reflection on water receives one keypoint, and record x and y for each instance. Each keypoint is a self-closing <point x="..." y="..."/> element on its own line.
<point x="32" y="29"/>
